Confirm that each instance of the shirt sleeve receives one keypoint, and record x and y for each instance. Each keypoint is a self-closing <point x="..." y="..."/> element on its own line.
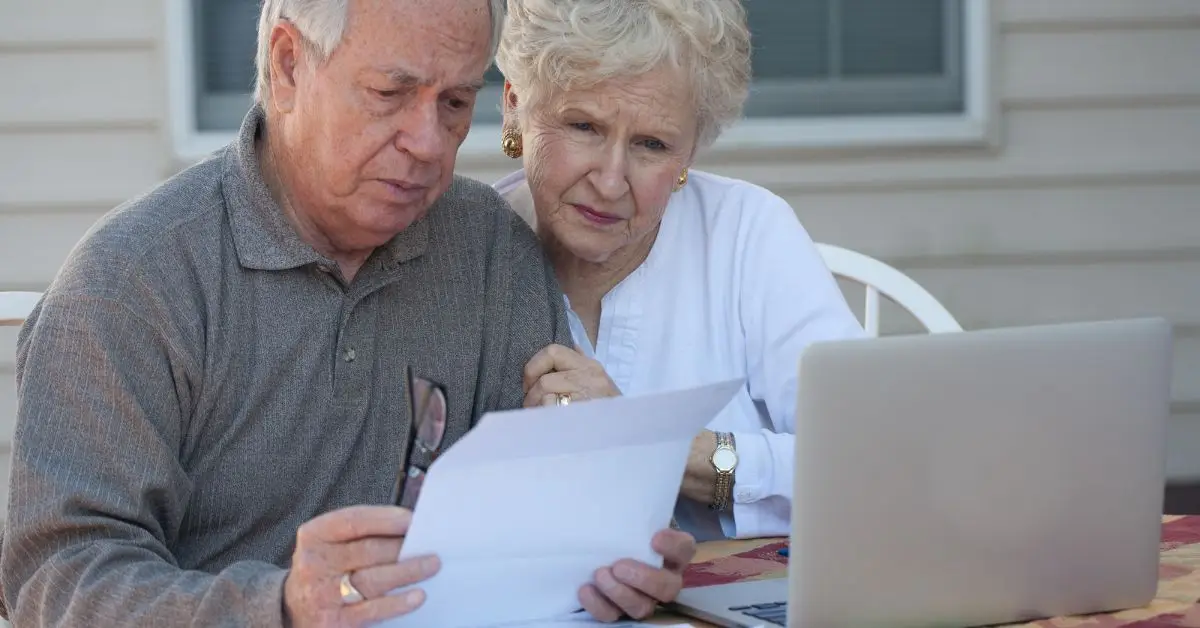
<point x="788" y="300"/>
<point x="534" y="313"/>
<point x="97" y="489"/>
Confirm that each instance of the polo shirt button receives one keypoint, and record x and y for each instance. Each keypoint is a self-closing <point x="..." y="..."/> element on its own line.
<point x="348" y="355"/>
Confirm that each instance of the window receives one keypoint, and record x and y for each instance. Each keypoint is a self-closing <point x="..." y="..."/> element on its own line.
<point x="838" y="72"/>
<point x="855" y="57"/>
<point x="225" y="41"/>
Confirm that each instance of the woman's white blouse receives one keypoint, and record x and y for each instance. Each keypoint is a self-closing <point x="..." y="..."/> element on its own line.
<point x="733" y="288"/>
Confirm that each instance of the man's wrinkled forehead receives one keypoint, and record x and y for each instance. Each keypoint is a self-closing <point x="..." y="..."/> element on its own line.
<point x="400" y="75"/>
<point x="424" y="39"/>
<point x="460" y="25"/>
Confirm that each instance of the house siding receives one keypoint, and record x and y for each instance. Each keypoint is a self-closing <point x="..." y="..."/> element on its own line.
<point x="1086" y="206"/>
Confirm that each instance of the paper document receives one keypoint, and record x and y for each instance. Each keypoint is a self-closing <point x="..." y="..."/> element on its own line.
<point x="528" y="504"/>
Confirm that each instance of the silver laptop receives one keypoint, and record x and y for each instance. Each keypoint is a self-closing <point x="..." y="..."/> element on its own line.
<point x="970" y="478"/>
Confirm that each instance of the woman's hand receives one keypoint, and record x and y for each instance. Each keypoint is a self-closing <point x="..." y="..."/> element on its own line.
<point x="559" y="370"/>
<point x="700" y="478"/>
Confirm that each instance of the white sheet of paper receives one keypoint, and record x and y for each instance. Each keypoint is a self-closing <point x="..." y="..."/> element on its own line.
<point x="528" y="504"/>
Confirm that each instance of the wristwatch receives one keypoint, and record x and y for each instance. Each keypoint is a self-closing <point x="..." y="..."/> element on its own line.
<point x="724" y="460"/>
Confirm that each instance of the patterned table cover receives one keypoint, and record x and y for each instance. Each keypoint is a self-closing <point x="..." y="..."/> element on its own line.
<point x="1177" y="603"/>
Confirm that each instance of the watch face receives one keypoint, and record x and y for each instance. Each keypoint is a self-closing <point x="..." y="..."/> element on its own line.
<point x="724" y="459"/>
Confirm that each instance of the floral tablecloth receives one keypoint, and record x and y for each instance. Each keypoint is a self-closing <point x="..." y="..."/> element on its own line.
<point x="1177" y="603"/>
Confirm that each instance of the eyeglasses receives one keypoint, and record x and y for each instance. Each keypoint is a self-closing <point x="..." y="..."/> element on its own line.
<point x="427" y="402"/>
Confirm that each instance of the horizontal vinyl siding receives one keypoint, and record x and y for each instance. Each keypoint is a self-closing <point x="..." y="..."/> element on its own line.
<point x="1095" y="14"/>
<point x="1091" y="68"/>
<point x="1058" y="222"/>
<point x="78" y="168"/>
<point x="44" y="237"/>
<point x="80" y="126"/>
<point x="72" y="88"/>
<point x="80" y="24"/>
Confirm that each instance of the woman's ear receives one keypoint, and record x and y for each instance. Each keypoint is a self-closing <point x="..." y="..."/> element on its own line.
<point x="510" y="99"/>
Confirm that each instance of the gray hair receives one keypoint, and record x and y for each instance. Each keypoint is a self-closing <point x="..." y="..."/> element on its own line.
<point x="574" y="44"/>
<point x="322" y="24"/>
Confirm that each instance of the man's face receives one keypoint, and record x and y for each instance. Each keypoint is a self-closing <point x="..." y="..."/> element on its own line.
<point x="373" y="132"/>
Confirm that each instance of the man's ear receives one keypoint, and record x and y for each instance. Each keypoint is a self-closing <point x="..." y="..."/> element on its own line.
<point x="285" y="58"/>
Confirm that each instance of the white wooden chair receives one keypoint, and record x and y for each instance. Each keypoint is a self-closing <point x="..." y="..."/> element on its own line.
<point x="880" y="279"/>
<point x="16" y="306"/>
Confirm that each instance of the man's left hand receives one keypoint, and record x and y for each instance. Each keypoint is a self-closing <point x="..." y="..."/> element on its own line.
<point x="635" y="589"/>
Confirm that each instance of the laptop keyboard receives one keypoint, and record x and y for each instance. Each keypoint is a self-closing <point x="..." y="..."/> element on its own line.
<point x="774" y="613"/>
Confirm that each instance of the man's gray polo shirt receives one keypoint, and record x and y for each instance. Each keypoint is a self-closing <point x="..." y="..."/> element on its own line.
<point x="198" y="382"/>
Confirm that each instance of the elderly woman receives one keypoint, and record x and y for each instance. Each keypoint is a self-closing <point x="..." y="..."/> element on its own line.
<point x="674" y="277"/>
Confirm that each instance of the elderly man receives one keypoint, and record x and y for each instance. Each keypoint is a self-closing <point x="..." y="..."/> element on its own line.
<point x="212" y="393"/>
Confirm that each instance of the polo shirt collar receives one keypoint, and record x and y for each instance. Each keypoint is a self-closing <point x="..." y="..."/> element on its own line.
<point x="262" y="235"/>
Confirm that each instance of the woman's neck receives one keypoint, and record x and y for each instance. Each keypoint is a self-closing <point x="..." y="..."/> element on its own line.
<point x="584" y="282"/>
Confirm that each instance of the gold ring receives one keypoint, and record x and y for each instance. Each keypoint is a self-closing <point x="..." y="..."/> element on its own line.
<point x="563" y="399"/>
<point x="350" y="593"/>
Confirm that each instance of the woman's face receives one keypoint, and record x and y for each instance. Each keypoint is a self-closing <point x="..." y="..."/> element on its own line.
<point x="602" y="163"/>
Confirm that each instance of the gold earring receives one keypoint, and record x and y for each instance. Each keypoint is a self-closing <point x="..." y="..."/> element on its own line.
<point x="510" y="143"/>
<point x="682" y="180"/>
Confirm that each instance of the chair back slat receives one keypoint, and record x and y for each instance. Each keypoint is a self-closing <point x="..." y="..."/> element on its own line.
<point x="883" y="280"/>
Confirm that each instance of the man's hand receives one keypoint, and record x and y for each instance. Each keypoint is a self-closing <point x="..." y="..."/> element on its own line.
<point x="560" y="370"/>
<point x="635" y="589"/>
<point x="363" y="541"/>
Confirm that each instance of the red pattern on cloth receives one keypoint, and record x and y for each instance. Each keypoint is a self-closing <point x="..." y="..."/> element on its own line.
<point x="1176" y="606"/>
<point x="762" y="561"/>
<point x="1180" y="532"/>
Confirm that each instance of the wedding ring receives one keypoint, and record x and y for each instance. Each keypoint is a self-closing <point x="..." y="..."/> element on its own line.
<point x="350" y="594"/>
<point x="564" y="399"/>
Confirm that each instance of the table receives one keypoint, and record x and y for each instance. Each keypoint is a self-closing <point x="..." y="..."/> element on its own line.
<point x="1177" y="602"/>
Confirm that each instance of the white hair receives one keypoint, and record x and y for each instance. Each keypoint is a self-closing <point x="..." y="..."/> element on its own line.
<point x="322" y="24"/>
<point x="561" y="45"/>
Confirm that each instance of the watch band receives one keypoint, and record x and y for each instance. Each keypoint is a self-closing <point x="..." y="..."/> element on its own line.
<point x="723" y="487"/>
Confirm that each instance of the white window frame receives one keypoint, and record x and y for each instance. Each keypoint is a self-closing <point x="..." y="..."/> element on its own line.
<point x="974" y="126"/>
<point x="188" y="142"/>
